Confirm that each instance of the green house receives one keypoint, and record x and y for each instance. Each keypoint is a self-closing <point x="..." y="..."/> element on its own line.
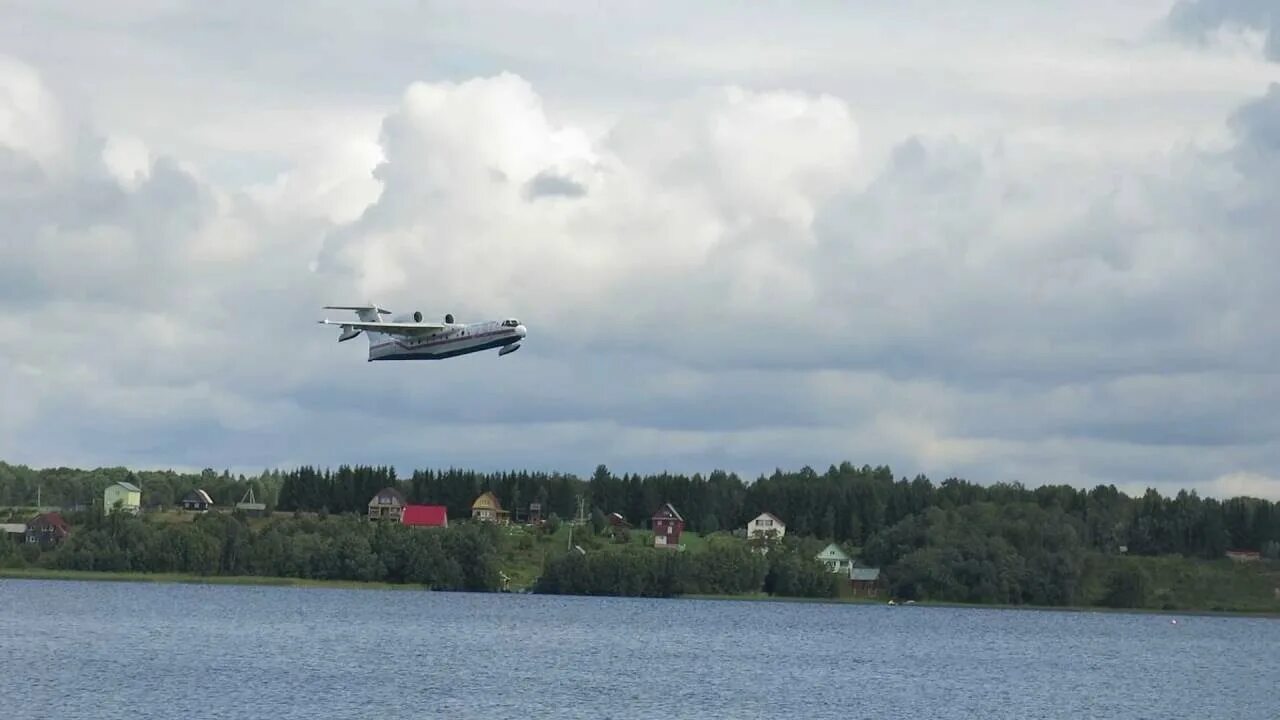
<point x="836" y="560"/>
<point x="127" y="494"/>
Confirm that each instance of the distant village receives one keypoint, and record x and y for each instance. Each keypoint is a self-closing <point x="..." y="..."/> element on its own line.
<point x="667" y="526"/>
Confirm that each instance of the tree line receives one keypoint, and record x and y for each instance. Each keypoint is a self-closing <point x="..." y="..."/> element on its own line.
<point x="954" y="541"/>
<point x="327" y="547"/>
<point x="845" y="504"/>
<point x="71" y="488"/>
<point x="725" y="567"/>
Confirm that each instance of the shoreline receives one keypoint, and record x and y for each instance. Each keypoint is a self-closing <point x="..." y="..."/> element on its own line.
<point x="1264" y="614"/>
<point x="274" y="581"/>
<point x="188" y="579"/>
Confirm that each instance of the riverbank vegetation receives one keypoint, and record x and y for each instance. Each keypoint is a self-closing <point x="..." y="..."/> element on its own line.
<point x="955" y="541"/>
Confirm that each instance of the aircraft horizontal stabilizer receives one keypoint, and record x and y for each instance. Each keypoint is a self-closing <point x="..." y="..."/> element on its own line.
<point x="372" y="308"/>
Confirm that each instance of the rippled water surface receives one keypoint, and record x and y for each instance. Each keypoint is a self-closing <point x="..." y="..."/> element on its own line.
<point x="125" y="650"/>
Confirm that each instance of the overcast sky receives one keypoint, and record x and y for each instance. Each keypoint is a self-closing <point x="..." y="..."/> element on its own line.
<point x="1007" y="241"/>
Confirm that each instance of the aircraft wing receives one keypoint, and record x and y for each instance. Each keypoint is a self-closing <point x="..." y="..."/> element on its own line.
<point x="389" y="328"/>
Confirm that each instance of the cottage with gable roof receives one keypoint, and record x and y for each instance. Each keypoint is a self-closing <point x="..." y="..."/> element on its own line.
<point x="388" y="504"/>
<point x="197" y="500"/>
<point x="128" y="495"/>
<point x="864" y="581"/>
<point x="766" y="525"/>
<point x="47" y="529"/>
<point x="667" y="526"/>
<point x="486" y="508"/>
<point x="836" y="560"/>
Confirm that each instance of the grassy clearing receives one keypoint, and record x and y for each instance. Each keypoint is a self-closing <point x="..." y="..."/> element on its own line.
<point x="1176" y="583"/>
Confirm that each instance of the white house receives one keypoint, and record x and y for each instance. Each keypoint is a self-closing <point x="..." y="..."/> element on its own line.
<point x="836" y="560"/>
<point x="764" y="523"/>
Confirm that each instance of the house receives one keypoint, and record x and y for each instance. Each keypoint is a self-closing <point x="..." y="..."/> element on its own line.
<point x="13" y="532"/>
<point x="47" y="529"/>
<point x="128" y="495"/>
<point x="766" y="526"/>
<point x="1244" y="555"/>
<point x="864" y="581"/>
<point x="388" y="504"/>
<point x="667" y="526"/>
<point x="486" y="508"/>
<point x="535" y="513"/>
<point x="197" y="500"/>
<point x="425" y="516"/>
<point x="836" y="560"/>
<point x="618" y="528"/>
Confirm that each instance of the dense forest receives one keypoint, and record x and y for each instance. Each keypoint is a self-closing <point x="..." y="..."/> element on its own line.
<point x="318" y="548"/>
<point x="846" y="504"/>
<point x="955" y="540"/>
<point x="467" y="556"/>
<point x="722" y="568"/>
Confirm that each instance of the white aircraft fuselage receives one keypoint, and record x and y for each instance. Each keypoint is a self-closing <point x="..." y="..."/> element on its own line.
<point x="454" y="340"/>
<point x="409" y="338"/>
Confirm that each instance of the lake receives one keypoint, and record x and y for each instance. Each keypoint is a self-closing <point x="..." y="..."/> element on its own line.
<point x="131" y="650"/>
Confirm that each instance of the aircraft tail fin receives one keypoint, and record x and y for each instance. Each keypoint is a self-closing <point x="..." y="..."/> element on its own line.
<point x="366" y="313"/>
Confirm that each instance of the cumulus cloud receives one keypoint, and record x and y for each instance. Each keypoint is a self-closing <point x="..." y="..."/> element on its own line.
<point x="769" y="269"/>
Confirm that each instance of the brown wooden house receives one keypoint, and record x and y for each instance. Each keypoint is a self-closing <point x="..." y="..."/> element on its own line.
<point x="47" y="529"/>
<point x="864" y="581"/>
<point x="667" y="526"/>
<point x="486" y="508"/>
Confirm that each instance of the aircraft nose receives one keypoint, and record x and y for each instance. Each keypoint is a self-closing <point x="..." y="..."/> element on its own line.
<point x="520" y="330"/>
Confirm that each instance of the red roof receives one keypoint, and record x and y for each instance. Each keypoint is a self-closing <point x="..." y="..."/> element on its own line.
<point x="425" y="516"/>
<point x="53" y="520"/>
<point x="56" y="520"/>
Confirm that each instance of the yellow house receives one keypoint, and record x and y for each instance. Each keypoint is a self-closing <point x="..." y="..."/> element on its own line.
<point x="127" y="494"/>
<point x="486" y="508"/>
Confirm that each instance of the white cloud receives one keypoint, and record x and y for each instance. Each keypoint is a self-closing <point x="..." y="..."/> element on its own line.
<point x="1043" y="256"/>
<point x="1247" y="484"/>
<point x="30" y="119"/>
<point x="127" y="159"/>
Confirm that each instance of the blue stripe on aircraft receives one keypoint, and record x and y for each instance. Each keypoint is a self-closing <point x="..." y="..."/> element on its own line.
<point x="449" y="353"/>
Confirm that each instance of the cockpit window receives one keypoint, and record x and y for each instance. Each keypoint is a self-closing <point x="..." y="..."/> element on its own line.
<point x="510" y="323"/>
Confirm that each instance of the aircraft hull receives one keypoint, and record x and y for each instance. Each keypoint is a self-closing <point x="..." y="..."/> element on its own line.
<point x="445" y="350"/>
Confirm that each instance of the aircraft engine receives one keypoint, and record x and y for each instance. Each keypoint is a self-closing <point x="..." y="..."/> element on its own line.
<point x="415" y="317"/>
<point x="448" y="318"/>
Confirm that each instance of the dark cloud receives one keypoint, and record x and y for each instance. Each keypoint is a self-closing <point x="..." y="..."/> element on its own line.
<point x="75" y="234"/>
<point x="1257" y="128"/>
<point x="549" y="184"/>
<point x="1197" y="18"/>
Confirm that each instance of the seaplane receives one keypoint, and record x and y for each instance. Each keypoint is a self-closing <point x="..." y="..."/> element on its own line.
<point x="410" y="337"/>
